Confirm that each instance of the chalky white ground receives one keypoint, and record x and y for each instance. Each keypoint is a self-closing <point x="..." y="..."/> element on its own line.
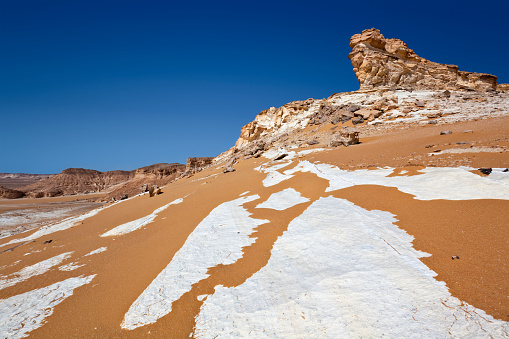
<point x="218" y="239"/>
<point x="131" y="226"/>
<point x="434" y="183"/>
<point x="340" y="271"/>
<point x="25" y="312"/>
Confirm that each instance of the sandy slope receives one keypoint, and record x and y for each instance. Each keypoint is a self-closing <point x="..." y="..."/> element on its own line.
<point x="322" y="252"/>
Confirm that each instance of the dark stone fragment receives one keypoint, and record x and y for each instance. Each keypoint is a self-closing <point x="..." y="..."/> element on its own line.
<point x="486" y="171"/>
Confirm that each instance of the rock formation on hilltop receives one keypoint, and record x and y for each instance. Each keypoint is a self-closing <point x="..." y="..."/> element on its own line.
<point x="76" y="181"/>
<point x="388" y="71"/>
<point x="157" y="174"/>
<point x="380" y="62"/>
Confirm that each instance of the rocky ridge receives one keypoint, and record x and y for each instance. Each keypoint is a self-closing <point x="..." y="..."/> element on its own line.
<point x="380" y="62"/>
<point x="76" y="181"/>
<point x="157" y="174"/>
<point x="396" y="88"/>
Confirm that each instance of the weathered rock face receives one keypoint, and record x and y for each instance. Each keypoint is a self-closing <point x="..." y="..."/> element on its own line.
<point x="145" y="178"/>
<point x="76" y="181"/>
<point x="379" y="62"/>
<point x="7" y="193"/>
<point x="197" y="164"/>
<point x="346" y="136"/>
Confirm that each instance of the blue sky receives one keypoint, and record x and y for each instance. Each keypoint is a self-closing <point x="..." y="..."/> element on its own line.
<point x="123" y="84"/>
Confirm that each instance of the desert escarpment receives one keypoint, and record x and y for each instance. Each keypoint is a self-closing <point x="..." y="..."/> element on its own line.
<point x="380" y="62"/>
<point x="76" y="181"/>
<point x="157" y="174"/>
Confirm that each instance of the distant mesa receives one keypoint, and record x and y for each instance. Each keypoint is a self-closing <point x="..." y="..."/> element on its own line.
<point x="380" y="62"/>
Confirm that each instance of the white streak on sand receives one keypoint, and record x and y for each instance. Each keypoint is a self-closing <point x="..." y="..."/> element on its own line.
<point x="435" y="182"/>
<point x="33" y="270"/>
<point x="218" y="239"/>
<point x="274" y="178"/>
<point x="282" y="200"/>
<point x="25" y="312"/>
<point x="131" y="226"/>
<point x="60" y="226"/>
<point x="340" y="271"/>
<point x="99" y="250"/>
<point x="70" y="267"/>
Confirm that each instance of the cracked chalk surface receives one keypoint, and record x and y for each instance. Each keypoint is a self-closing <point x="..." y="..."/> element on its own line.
<point x="218" y="239"/>
<point x="340" y="271"/>
<point x="23" y="313"/>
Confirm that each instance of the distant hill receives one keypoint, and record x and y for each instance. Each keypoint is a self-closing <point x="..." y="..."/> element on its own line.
<point x="16" y="180"/>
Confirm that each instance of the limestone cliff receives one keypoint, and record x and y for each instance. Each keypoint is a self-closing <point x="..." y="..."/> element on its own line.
<point x="380" y="62"/>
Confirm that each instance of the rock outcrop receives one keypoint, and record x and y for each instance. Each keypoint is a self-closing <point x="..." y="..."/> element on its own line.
<point x="76" y="181"/>
<point x="145" y="178"/>
<point x="7" y="193"/>
<point x="197" y="164"/>
<point x="379" y="62"/>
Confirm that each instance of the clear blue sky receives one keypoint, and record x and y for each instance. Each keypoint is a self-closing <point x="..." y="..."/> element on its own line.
<point x="123" y="84"/>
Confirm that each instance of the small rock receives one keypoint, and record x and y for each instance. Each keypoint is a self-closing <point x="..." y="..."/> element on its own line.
<point x="432" y="122"/>
<point x="345" y="137"/>
<point x="47" y="242"/>
<point x="506" y="170"/>
<point x="124" y="197"/>
<point x="282" y="156"/>
<point x="455" y="257"/>
<point x="312" y="142"/>
<point x="419" y="104"/>
<point x="429" y="146"/>
<point x="468" y="131"/>
<point x="445" y="132"/>
<point x="461" y="143"/>
<point x="358" y="120"/>
<point x="228" y="169"/>
<point x="446" y="94"/>
<point x="486" y="171"/>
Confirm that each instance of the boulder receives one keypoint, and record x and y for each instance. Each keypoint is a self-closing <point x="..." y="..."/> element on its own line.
<point x="345" y="136"/>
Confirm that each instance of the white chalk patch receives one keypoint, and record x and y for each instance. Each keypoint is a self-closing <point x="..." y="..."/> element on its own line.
<point x="201" y="297"/>
<point x="70" y="267"/>
<point x="218" y="239"/>
<point x="33" y="270"/>
<point x="309" y="151"/>
<point x="435" y="182"/>
<point x="131" y="226"/>
<point x="243" y="194"/>
<point x="60" y="226"/>
<point x="340" y="271"/>
<point x="99" y="250"/>
<point x="23" y="313"/>
<point x="274" y="178"/>
<point x="471" y="150"/>
<point x="282" y="200"/>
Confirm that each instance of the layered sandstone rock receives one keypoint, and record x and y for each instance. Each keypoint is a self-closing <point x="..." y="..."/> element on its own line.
<point x="145" y="178"/>
<point x="379" y="62"/>
<point x="197" y="164"/>
<point x="76" y="181"/>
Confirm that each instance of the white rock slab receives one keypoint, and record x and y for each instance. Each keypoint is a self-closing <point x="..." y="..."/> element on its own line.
<point x="32" y="270"/>
<point x="23" y="313"/>
<point x="340" y="271"/>
<point x="131" y="226"/>
<point x="282" y="200"/>
<point x="218" y="239"/>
